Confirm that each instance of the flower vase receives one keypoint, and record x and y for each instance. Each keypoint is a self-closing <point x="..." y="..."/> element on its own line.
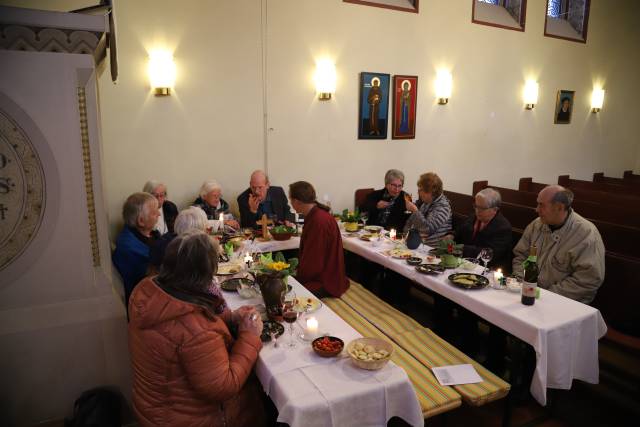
<point x="351" y="226"/>
<point x="272" y="286"/>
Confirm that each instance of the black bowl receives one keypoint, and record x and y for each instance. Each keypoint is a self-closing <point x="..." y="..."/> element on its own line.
<point x="414" y="260"/>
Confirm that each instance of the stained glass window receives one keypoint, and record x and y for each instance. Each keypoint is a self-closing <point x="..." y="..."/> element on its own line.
<point x="554" y="8"/>
<point x="490" y="1"/>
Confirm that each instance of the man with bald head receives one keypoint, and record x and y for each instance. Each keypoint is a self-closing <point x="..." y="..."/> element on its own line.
<point x="570" y="249"/>
<point x="262" y="198"/>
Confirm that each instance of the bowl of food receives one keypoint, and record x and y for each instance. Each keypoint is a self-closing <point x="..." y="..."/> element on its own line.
<point x="370" y="353"/>
<point x="414" y="260"/>
<point x="282" y="232"/>
<point x="327" y="346"/>
<point x="469" y="264"/>
<point x="373" y="229"/>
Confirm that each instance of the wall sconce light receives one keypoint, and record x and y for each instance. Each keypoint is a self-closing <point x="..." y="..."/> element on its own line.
<point x="162" y="72"/>
<point x="444" y="82"/>
<point x="597" y="98"/>
<point x="325" y="79"/>
<point x="530" y="95"/>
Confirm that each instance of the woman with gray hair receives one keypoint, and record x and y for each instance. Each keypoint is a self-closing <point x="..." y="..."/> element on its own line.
<point x="168" y="210"/>
<point x="192" y="218"/>
<point x="387" y="206"/>
<point x="211" y="202"/>
<point x="486" y="228"/>
<point x="131" y="257"/>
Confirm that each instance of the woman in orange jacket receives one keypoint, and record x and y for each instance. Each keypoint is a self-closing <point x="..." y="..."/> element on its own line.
<point x="188" y="369"/>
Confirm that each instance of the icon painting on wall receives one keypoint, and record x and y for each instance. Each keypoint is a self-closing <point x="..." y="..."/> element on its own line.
<point x="405" y="89"/>
<point x="564" y="107"/>
<point x="374" y="105"/>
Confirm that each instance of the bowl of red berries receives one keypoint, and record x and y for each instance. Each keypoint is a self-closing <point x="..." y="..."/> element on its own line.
<point x="327" y="346"/>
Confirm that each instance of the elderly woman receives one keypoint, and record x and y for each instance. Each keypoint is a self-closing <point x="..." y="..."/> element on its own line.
<point x="321" y="268"/>
<point x="188" y="369"/>
<point x="433" y="219"/>
<point x="191" y="218"/>
<point x="211" y="202"/>
<point x="387" y="207"/>
<point x="168" y="210"/>
<point x="131" y="257"/>
<point x="486" y="228"/>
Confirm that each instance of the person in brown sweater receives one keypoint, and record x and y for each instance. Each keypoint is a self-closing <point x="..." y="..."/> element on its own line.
<point x="188" y="369"/>
<point x="321" y="268"/>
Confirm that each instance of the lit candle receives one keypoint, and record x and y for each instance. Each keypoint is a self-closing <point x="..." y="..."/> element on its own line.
<point x="392" y="234"/>
<point x="497" y="276"/>
<point x="248" y="260"/>
<point x="221" y="220"/>
<point x="312" y="327"/>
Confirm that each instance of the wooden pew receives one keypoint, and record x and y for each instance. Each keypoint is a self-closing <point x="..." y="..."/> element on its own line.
<point x="360" y="197"/>
<point x="622" y="215"/>
<point x="630" y="176"/>
<point x="568" y="182"/>
<point x="599" y="177"/>
<point x="610" y="199"/>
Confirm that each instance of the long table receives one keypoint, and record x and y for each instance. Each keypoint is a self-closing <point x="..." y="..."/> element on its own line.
<point x="564" y="333"/>
<point x="312" y="391"/>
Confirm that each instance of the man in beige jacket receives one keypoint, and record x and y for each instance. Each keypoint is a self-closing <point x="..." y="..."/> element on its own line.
<point x="570" y="249"/>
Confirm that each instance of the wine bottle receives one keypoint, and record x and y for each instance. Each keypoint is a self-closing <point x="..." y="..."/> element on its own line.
<point x="530" y="282"/>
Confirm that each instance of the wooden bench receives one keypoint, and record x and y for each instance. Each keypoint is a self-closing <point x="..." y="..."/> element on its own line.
<point x="423" y="344"/>
<point x="599" y="177"/>
<point x="360" y="197"/>
<point x="434" y="398"/>
<point x="630" y="176"/>
<point x="567" y="181"/>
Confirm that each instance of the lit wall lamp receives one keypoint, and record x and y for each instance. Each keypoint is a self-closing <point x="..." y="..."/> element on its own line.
<point x="597" y="98"/>
<point x="444" y="82"/>
<point x="162" y="72"/>
<point x="325" y="79"/>
<point x="530" y="95"/>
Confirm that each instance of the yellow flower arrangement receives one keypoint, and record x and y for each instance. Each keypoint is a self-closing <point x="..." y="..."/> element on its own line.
<point x="278" y="266"/>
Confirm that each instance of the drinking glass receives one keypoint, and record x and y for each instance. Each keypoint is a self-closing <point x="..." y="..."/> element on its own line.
<point x="289" y="314"/>
<point x="486" y="254"/>
<point x="364" y="217"/>
<point x="408" y="198"/>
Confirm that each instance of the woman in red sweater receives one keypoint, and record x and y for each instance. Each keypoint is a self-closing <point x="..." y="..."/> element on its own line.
<point x="321" y="268"/>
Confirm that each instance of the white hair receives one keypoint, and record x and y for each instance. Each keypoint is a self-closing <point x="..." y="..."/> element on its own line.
<point x="491" y="196"/>
<point x="208" y="186"/>
<point x="192" y="218"/>
<point x="151" y="186"/>
<point x="136" y="206"/>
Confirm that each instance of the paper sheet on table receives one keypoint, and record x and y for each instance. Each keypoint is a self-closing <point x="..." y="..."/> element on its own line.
<point x="456" y="374"/>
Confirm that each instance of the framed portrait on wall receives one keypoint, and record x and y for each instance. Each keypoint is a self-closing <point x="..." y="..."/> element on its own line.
<point x="564" y="107"/>
<point x="374" y="105"/>
<point x="405" y="90"/>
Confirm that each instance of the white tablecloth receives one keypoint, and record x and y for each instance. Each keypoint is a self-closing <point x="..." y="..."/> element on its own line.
<point x="564" y="333"/>
<point x="311" y="391"/>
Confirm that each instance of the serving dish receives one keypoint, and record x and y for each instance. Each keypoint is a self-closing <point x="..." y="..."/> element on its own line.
<point x="232" y="285"/>
<point x="269" y="326"/>
<point x="414" y="260"/>
<point x="228" y="269"/>
<point x="468" y="280"/>
<point x="307" y="304"/>
<point x="430" y="269"/>
<point x="327" y="346"/>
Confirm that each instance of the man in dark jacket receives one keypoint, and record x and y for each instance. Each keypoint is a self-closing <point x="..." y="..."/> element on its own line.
<point x="261" y="198"/>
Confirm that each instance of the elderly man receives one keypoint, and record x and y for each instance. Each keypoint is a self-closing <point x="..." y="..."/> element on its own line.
<point x="486" y="228"/>
<point x="433" y="218"/>
<point x="262" y="198"/>
<point x="131" y="257"/>
<point x="570" y="249"/>
<point x="386" y="207"/>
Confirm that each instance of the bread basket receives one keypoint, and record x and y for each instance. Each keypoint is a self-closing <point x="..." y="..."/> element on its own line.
<point x="374" y="363"/>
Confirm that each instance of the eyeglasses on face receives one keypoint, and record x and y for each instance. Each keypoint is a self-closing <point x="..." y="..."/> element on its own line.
<point x="159" y="195"/>
<point x="396" y="185"/>
<point x="480" y="208"/>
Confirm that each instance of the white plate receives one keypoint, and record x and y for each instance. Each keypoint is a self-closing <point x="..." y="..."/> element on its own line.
<point x="430" y="259"/>
<point x="228" y="269"/>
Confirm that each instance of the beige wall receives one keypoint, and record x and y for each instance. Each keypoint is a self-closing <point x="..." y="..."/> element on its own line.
<point x="212" y="127"/>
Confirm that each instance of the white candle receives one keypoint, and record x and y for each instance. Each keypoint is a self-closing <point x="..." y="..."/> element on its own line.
<point x="221" y="222"/>
<point x="498" y="275"/>
<point x="392" y="234"/>
<point x="248" y="259"/>
<point x="312" y="326"/>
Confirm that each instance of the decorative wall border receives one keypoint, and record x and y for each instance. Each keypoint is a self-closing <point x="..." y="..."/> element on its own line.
<point x="88" y="176"/>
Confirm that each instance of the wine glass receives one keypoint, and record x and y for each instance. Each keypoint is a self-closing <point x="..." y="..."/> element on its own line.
<point x="486" y="254"/>
<point x="407" y="198"/>
<point x="289" y="314"/>
<point x="364" y="217"/>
